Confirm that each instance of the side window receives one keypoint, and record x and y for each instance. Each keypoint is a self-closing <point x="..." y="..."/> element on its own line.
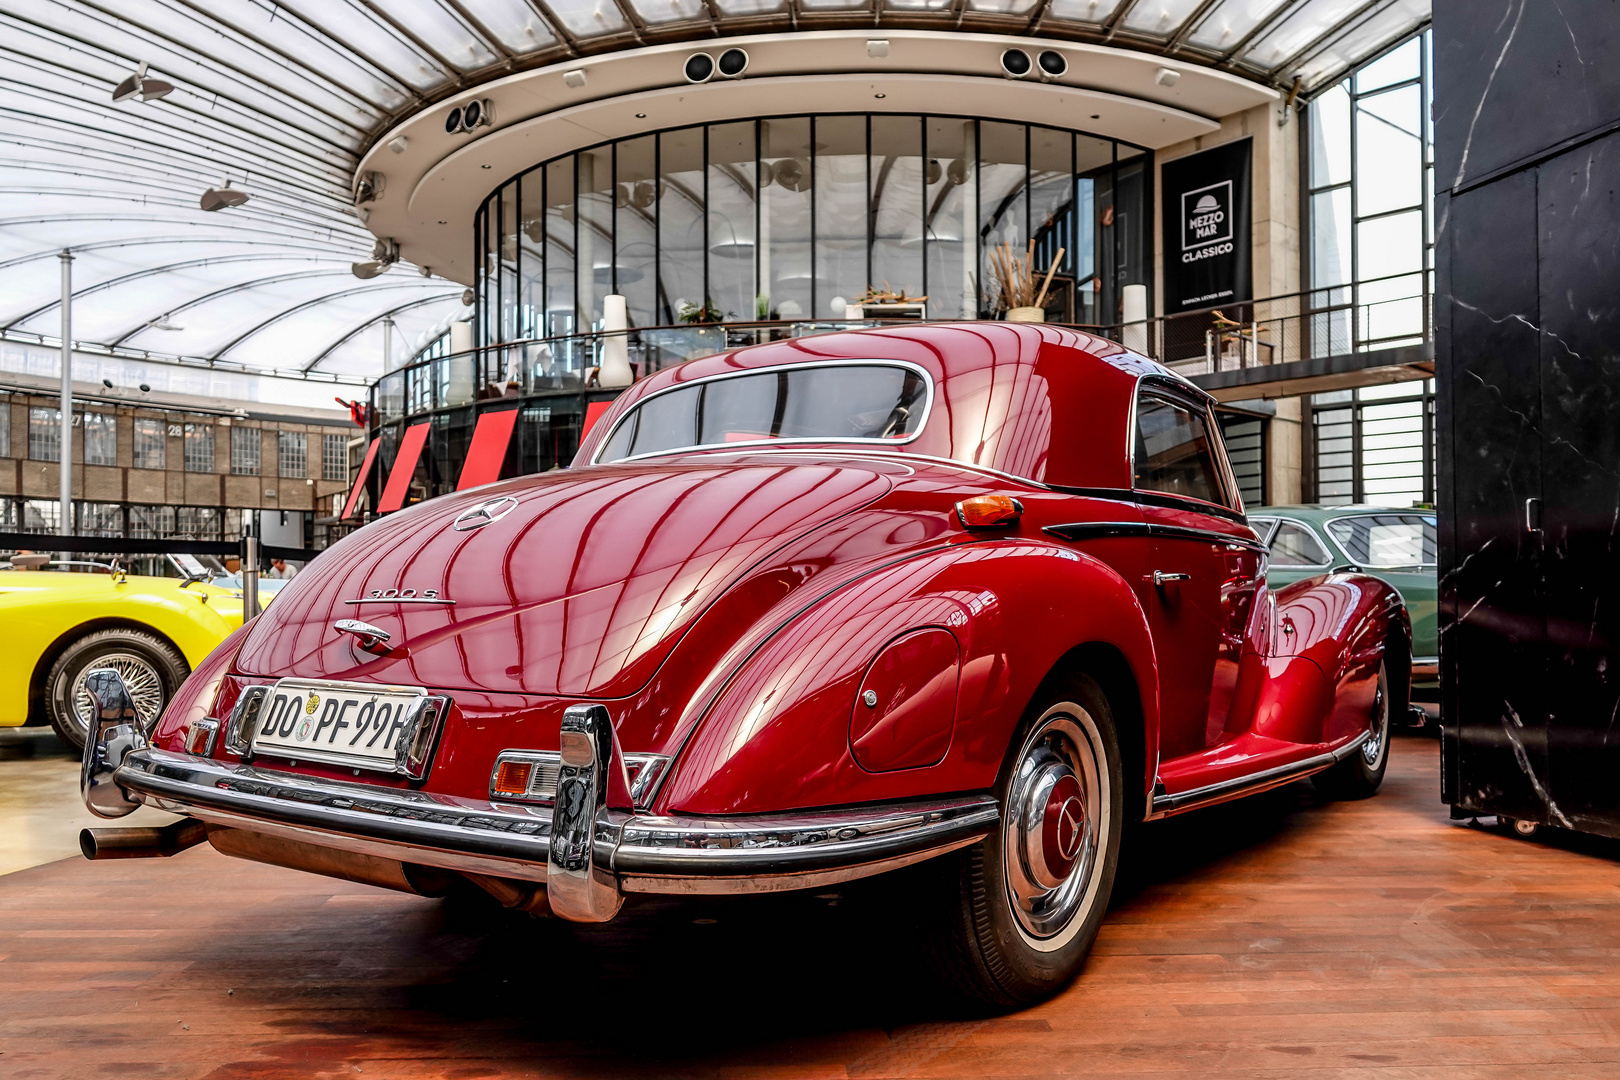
<point x="1262" y="527"/>
<point x="1294" y="546"/>
<point x="1174" y="451"/>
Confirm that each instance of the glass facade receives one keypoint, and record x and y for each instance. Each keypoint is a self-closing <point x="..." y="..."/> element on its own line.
<point x="1370" y="178"/>
<point x="794" y="218"/>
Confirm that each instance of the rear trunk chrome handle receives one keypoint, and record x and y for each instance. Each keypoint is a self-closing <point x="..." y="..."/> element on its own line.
<point x="373" y="639"/>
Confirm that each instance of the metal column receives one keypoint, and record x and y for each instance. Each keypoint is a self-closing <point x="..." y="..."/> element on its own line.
<point x="65" y="526"/>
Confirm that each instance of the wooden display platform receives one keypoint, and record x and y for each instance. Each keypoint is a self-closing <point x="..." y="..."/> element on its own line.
<point x="1277" y="937"/>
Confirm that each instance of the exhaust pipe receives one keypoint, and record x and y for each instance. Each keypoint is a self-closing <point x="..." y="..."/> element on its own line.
<point x="142" y="843"/>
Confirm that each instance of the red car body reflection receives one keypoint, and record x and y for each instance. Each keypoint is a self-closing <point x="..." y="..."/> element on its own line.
<point x="789" y="638"/>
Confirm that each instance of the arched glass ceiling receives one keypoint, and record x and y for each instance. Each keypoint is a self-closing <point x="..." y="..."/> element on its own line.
<point x="280" y="97"/>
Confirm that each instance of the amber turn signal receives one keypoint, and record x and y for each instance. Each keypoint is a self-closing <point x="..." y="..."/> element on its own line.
<point x="988" y="511"/>
<point x="512" y="777"/>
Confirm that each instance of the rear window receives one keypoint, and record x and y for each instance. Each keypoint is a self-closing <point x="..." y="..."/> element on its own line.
<point x="1387" y="541"/>
<point x="880" y="402"/>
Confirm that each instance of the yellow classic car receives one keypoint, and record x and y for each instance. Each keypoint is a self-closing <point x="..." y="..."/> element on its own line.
<point x="59" y="624"/>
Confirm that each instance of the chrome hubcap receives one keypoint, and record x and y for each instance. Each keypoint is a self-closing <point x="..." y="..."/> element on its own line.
<point x="1372" y="751"/>
<point x="144" y="683"/>
<point x="1055" y="822"/>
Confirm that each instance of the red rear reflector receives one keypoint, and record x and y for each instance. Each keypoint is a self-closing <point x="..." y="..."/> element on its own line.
<point x="988" y="511"/>
<point x="512" y="777"/>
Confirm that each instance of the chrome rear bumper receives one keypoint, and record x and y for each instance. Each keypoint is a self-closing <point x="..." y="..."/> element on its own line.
<point x="628" y="853"/>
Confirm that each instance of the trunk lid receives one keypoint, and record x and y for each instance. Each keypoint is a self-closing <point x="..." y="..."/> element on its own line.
<point x="580" y="587"/>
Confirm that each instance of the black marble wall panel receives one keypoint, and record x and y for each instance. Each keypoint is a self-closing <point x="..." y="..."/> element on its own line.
<point x="1491" y="624"/>
<point x="1528" y="364"/>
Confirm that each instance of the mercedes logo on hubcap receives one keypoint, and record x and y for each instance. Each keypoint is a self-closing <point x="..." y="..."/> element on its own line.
<point x="484" y="513"/>
<point x="1071" y="819"/>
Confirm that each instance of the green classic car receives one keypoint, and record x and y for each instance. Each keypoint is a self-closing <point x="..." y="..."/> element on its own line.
<point x="1397" y="545"/>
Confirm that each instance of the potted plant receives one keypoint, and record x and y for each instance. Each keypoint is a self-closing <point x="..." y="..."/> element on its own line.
<point x="1017" y="294"/>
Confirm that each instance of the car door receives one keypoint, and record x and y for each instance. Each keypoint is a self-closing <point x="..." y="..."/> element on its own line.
<point x="1205" y="565"/>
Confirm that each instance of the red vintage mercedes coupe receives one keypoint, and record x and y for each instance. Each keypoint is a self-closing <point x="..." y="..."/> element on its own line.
<point x="799" y="613"/>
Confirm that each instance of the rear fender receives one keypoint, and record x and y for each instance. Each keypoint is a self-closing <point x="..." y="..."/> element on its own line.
<point x="1343" y="623"/>
<point x="778" y="736"/>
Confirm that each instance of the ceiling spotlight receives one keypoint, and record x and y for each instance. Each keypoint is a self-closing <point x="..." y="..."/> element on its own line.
<point x="1015" y="62"/>
<point x="468" y="297"/>
<point x="222" y="197"/>
<point x="425" y="271"/>
<point x="574" y="78"/>
<point x="107" y="383"/>
<point x="138" y="85"/>
<point x="877" y="48"/>
<point x="384" y="253"/>
<point x="1052" y="64"/>
<point x="145" y="389"/>
<point x="699" y="68"/>
<point x="369" y="187"/>
<point x="1167" y="77"/>
<point x="732" y="63"/>
<point x="398" y="145"/>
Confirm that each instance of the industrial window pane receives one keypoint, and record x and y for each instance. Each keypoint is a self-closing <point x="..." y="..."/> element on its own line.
<point x="560" y="308"/>
<point x="200" y="448"/>
<point x="147" y="522"/>
<point x="635" y="230"/>
<point x="784" y="180"/>
<point x="197" y="522"/>
<point x="150" y="444"/>
<point x="840" y="186"/>
<point x="1003" y="201"/>
<point x="1244" y="437"/>
<point x="507" y="235"/>
<point x="896" y="176"/>
<point x="1173" y="452"/>
<point x="100" y="519"/>
<point x="1396" y="66"/>
<point x="680" y="223"/>
<point x="1389" y="151"/>
<point x="1330" y="138"/>
<point x="245" y="444"/>
<point x="334" y="457"/>
<point x="292" y="454"/>
<point x="731" y="220"/>
<point x="100" y="439"/>
<point x="595" y="256"/>
<point x="1051" y="199"/>
<point x="1330" y="237"/>
<point x="951" y="209"/>
<point x="42" y="516"/>
<point x="1390" y="245"/>
<point x="44" y="435"/>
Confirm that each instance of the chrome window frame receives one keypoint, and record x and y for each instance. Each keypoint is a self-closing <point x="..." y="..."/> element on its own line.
<point x="1328" y="547"/>
<point x="1171" y="392"/>
<point x="927" y="412"/>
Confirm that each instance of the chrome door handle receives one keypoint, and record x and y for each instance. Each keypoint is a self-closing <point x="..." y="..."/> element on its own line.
<point x="1160" y="577"/>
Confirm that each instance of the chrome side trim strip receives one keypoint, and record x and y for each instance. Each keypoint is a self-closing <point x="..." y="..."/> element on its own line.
<point x="1253" y="784"/>
<point x="744" y="854"/>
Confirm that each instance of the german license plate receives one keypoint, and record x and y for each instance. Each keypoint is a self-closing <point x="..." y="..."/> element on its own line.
<point x="352" y="724"/>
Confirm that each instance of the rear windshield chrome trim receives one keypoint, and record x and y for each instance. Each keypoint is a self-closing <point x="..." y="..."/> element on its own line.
<point x="927" y="411"/>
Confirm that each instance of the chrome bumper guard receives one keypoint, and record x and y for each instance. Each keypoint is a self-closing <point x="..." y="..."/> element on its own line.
<point x="589" y="849"/>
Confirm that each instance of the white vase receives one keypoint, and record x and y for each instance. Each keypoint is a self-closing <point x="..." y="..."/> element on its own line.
<point x="1026" y="314"/>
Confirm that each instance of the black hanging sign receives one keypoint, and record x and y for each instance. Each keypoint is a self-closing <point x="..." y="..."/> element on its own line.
<point x="1206" y="214"/>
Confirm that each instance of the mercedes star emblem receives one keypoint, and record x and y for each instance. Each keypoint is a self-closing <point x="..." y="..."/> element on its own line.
<point x="484" y="513"/>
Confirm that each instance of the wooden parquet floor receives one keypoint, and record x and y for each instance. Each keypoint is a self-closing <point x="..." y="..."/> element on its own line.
<point x="1278" y="937"/>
